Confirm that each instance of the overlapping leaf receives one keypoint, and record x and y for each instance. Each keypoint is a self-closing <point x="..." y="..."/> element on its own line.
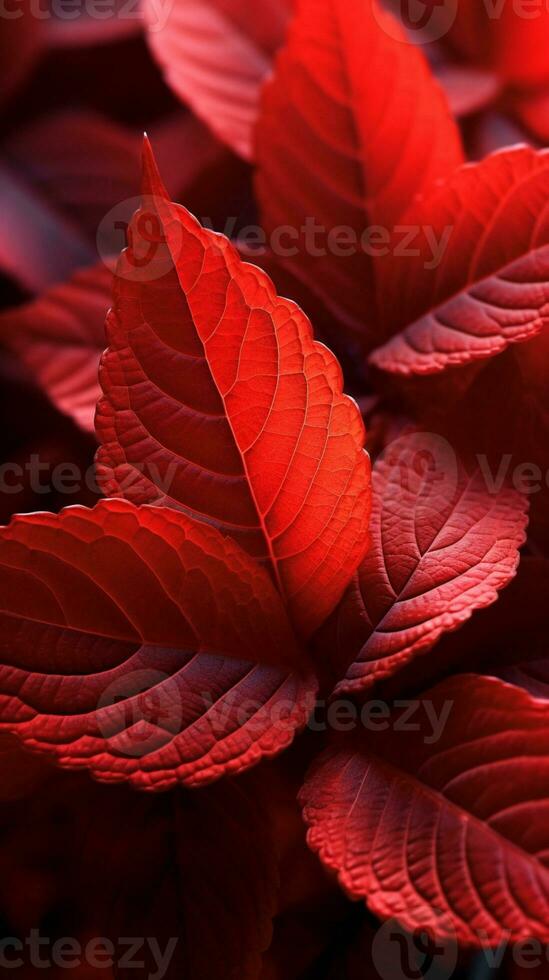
<point x="449" y="835"/>
<point x="60" y="336"/>
<point x="144" y="646"/>
<point x="219" y="402"/>
<point x="216" y="54"/>
<point x="442" y="544"/>
<point x="345" y="148"/>
<point x="491" y="286"/>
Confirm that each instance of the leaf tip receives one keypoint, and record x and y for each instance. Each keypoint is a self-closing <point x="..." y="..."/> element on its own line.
<point x="151" y="181"/>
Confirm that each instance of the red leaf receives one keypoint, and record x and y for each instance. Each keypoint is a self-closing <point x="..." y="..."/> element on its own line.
<point x="144" y="646"/>
<point x="448" y="835"/>
<point x="491" y="286"/>
<point x="216" y="55"/>
<point x="60" y="336"/>
<point x="348" y="147"/>
<point x="442" y="545"/>
<point x="219" y="402"/>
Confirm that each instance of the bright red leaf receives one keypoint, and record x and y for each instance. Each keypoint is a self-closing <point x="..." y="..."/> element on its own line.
<point x="450" y="834"/>
<point x="218" y="401"/>
<point x="442" y="544"/>
<point x="144" y="646"/>
<point x="491" y="286"/>
<point x="348" y="147"/>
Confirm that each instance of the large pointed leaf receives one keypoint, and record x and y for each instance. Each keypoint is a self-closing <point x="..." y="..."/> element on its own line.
<point x="447" y="834"/>
<point x="218" y="401"/>
<point x="144" y="646"/>
<point x="216" y="54"/>
<point x="353" y="125"/>
<point x="491" y="286"/>
<point x="442" y="544"/>
<point x="60" y="336"/>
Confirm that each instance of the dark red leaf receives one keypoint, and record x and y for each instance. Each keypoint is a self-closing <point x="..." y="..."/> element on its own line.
<point x="38" y="246"/>
<point x="59" y="338"/>
<point x="490" y="288"/>
<point x="447" y="835"/>
<point x="144" y="646"/>
<point x="219" y="402"/>
<point x="86" y="167"/>
<point x="442" y="545"/>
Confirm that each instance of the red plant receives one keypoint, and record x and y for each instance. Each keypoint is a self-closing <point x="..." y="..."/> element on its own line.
<point x="238" y="575"/>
